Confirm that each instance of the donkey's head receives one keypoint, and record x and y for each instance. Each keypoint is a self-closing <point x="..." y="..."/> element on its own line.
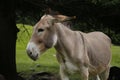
<point x="44" y="35"/>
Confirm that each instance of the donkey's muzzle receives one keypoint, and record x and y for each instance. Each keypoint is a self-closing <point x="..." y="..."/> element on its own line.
<point x="32" y="51"/>
<point x="32" y="55"/>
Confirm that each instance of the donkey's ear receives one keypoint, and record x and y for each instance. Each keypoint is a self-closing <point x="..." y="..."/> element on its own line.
<point x="51" y="22"/>
<point x="55" y="21"/>
<point x="62" y="18"/>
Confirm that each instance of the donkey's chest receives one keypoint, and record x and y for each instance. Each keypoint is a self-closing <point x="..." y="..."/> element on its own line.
<point x="67" y="63"/>
<point x="70" y="67"/>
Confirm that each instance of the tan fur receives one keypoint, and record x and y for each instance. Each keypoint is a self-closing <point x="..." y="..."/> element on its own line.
<point x="87" y="54"/>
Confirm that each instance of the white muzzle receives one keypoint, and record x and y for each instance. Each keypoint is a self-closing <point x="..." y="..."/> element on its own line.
<point x="32" y="51"/>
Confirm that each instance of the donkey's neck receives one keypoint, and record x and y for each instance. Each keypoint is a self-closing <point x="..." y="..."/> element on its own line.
<point x="65" y="41"/>
<point x="63" y="32"/>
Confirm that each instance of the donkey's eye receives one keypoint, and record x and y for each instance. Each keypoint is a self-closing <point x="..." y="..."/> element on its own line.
<point x="40" y="30"/>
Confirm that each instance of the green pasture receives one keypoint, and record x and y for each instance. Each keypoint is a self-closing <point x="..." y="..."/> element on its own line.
<point x="47" y="61"/>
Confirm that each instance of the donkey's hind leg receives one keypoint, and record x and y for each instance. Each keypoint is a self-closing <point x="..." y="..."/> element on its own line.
<point x="104" y="75"/>
<point x="95" y="77"/>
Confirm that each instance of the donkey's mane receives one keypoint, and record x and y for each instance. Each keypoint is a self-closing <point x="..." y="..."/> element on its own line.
<point x="67" y="24"/>
<point x="53" y="13"/>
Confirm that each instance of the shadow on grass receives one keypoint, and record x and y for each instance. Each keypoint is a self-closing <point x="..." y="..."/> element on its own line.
<point x="26" y="70"/>
<point x="37" y="68"/>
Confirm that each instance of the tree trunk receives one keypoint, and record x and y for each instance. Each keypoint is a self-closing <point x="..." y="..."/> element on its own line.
<point x="7" y="39"/>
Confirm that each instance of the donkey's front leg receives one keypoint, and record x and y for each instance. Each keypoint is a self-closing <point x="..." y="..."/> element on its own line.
<point x="84" y="73"/>
<point x="63" y="73"/>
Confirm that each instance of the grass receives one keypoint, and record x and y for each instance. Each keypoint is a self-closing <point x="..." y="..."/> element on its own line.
<point x="47" y="62"/>
<point x="23" y="36"/>
<point x="115" y="56"/>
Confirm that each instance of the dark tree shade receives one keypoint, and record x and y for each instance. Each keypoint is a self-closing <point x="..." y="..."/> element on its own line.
<point x="7" y="39"/>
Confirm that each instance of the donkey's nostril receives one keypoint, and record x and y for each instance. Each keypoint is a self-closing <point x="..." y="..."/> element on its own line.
<point x="30" y="53"/>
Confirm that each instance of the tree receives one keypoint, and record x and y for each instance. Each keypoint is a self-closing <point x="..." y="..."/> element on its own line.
<point x="8" y="32"/>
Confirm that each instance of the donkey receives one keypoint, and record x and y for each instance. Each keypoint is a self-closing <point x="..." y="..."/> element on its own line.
<point x="87" y="54"/>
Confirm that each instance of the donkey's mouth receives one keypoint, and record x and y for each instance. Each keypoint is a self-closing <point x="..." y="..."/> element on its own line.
<point x="34" y="57"/>
<point x="33" y="51"/>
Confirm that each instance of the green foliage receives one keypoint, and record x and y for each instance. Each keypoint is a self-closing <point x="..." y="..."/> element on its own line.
<point x="115" y="55"/>
<point x="23" y="36"/>
<point x="115" y="38"/>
